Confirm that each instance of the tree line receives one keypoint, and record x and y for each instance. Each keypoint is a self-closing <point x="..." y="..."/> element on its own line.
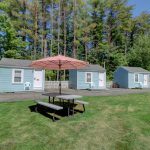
<point x="99" y="31"/>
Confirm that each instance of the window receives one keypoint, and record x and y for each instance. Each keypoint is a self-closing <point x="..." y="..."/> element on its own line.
<point x="136" y="77"/>
<point x="88" y="77"/>
<point x="17" y="76"/>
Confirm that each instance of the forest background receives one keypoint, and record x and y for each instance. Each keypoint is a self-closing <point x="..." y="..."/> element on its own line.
<point x="101" y="32"/>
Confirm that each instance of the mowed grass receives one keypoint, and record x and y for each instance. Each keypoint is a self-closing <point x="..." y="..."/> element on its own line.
<point x="109" y="123"/>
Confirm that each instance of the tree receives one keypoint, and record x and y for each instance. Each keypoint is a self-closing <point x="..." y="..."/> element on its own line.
<point x="97" y="25"/>
<point x="117" y="22"/>
<point x="9" y="42"/>
<point x="100" y="31"/>
<point x="33" y="22"/>
<point x="140" y="53"/>
<point x="85" y="30"/>
<point x="139" y="26"/>
<point x="51" y="26"/>
<point x="44" y="27"/>
<point x="109" y="57"/>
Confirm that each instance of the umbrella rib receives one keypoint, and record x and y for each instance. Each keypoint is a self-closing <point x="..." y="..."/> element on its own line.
<point x="66" y="63"/>
<point x="47" y="63"/>
<point x="71" y="65"/>
<point x="74" y="64"/>
<point x="75" y="67"/>
<point x="52" y="62"/>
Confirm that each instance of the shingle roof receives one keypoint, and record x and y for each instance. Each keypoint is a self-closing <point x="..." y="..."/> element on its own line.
<point x="135" y="69"/>
<point x="93" y="68"/>
<point x="10" y="62"/>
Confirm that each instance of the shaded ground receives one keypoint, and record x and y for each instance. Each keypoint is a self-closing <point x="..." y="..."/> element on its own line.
<point x="109" y="123"/>
<point x="38" y="95"/>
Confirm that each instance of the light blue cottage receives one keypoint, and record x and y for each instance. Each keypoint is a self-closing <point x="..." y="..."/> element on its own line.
<point x="132" y="77"/>
<point x="89" y="77"/>
<point x="16" y="75"/>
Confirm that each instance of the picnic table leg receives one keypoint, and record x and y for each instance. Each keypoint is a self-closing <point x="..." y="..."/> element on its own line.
<point x="53" y="116"/>
<point x="49" y="99"/>
<point x="83" y="108"/>
<point x="60" y="101"/>
<point x="68" y="112"/>
<point x="73" y="107"/>
<point x="36" y="108"/>
<point x="53" y="99"/>
<point x="68" y="108"/>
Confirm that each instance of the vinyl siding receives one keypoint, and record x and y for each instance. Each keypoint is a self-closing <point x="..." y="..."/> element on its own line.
<point x="77" y="80"/>
<point x="81" y="83"/>
<point x="104" y="87"/>
<point x="133" y="84"/>
<point x="125" y="79"/>
<point x="6" y="84"/>
<point x="73" y="79"/>
<point x="121" y="78"/>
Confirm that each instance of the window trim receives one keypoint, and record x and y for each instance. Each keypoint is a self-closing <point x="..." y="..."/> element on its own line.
<point x="13" y="75"/>
<point x="138" y="78"/>
<point x="86" y="77"/>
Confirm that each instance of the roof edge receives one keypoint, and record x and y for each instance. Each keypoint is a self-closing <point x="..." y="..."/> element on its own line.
<point x="15" y="67"/>
<point x="124" y="67"/>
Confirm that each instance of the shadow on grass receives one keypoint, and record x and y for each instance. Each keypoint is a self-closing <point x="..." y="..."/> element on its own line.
<point x="48" y="112"/>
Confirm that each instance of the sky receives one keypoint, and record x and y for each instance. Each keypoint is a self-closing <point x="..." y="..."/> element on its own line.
<point x="139" y="6"/>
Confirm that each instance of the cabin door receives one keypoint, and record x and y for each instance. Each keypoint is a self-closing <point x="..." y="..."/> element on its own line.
<point x="38" y="79"/>
<point x="101" y="80"/>
<point x="145" y="80"/>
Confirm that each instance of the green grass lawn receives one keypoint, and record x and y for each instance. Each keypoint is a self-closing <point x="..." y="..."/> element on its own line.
<point x="109" y="123"/>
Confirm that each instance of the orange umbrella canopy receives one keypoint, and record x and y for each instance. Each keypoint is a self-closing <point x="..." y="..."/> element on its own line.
<point x="59" y="62"/>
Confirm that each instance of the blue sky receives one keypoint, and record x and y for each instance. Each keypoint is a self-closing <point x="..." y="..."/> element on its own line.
<point x="139" y="6"/>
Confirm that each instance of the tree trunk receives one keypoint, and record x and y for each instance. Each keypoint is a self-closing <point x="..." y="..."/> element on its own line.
<point x="58" y="24"/>
<point x="44" y="27"/>
<point x="110" y="36"/>
<point x="24" y="19"/>
<point x="65" y="32"/>
<point x="74" y="29"/>
<point x="51" y="53"/>
<point x="58" y="36"/>
<point x="94" y="34"/>
<point x="85" y="46"/>
<point x="110" y="30"/>
<point x="35" y="28"/>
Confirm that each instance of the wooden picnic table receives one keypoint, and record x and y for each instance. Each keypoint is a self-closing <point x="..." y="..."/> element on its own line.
<point x="69" y="98"/>
<point x="53" y="95"/>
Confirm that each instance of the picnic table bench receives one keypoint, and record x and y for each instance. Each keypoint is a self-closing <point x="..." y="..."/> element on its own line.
<point x="82" y="102"/>
<point x="51" y="106"/>
<point x="71" y="100"/>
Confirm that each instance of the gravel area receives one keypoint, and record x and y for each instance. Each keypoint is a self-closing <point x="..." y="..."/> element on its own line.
<point x="20" y="96"/>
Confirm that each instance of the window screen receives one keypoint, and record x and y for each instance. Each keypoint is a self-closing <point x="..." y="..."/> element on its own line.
<point x="88" y="77"/>
<point x="17" y="76"/>
<point x="136" y="78"/>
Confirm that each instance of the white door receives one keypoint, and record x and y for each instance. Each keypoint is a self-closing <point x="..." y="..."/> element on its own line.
<point x="145" y="80"/>
<point x="101" y="80"/>
<point x="38" y="79"/>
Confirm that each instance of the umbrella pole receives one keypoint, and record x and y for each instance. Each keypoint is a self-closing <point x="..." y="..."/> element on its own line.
<point x="59" y="83"/>
<point x="59" y="78"/>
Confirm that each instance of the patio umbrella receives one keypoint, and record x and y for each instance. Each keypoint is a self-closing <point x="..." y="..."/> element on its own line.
<point x="59" y="62"/>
